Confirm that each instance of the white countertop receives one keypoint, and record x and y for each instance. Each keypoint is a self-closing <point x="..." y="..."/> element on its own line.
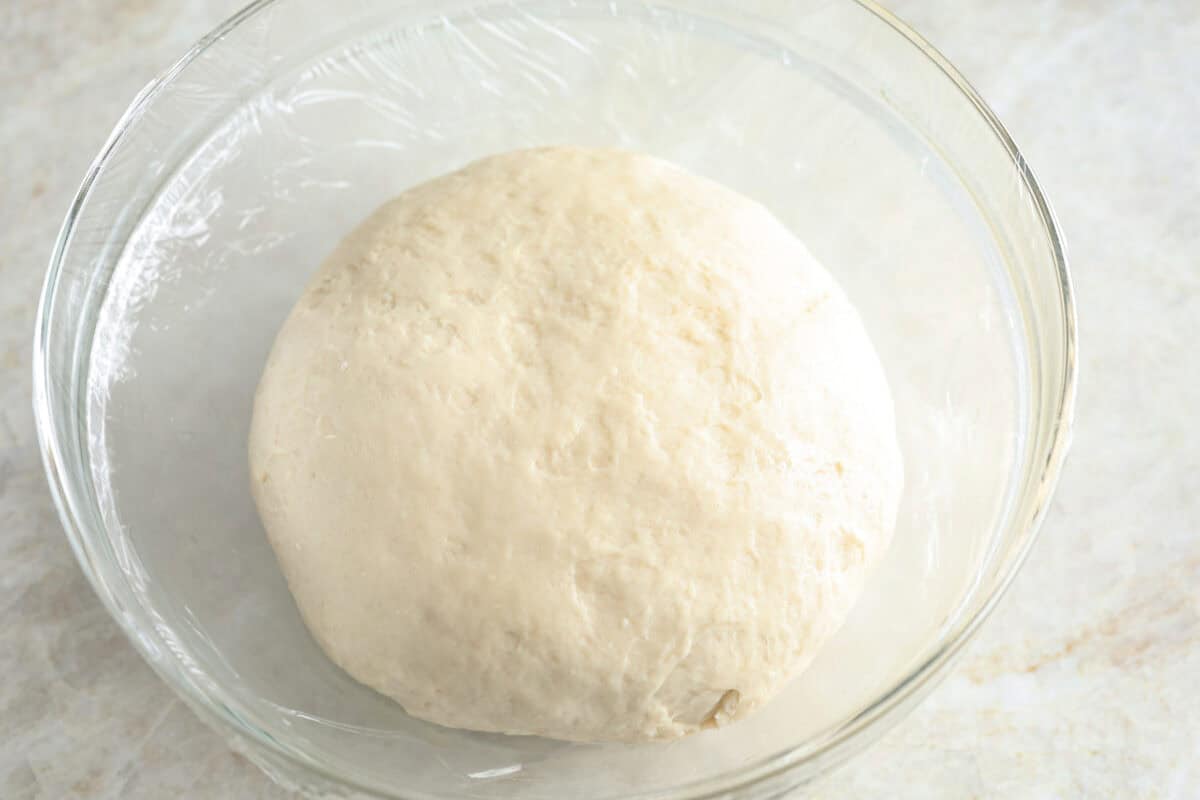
<point x="1086" y="681"/>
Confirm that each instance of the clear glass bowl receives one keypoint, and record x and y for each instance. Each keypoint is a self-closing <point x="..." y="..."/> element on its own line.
<point x="232" y="175"/>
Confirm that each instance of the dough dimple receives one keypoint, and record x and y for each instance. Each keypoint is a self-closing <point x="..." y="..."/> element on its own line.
<point x="573" y="443"/>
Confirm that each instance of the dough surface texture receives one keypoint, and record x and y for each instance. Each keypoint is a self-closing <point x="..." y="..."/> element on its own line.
<point x="573" y="443"/>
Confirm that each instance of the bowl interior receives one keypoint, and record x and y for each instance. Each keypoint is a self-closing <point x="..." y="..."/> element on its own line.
<point x="248" y="171"/>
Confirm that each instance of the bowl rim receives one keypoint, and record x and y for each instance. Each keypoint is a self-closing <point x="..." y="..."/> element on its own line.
<point x="829" y="748"/>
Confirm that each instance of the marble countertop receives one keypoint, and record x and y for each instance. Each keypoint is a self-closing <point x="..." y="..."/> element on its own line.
<point x="1085" y="681"/>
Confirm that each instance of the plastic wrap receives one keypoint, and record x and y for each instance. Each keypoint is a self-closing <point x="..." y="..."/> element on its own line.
<point x="237" y="172"/>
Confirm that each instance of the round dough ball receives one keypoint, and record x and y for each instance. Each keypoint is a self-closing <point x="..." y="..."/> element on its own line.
<point x="574" y="443"/>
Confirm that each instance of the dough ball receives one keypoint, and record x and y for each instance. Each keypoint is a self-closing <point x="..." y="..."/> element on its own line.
<point x="574" y="443"/>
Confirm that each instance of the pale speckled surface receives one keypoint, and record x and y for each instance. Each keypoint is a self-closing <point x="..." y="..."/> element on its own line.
<point x="1084" y="684"/>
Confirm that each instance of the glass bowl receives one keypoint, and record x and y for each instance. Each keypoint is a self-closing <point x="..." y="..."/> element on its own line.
<point x="233" y="174"/>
